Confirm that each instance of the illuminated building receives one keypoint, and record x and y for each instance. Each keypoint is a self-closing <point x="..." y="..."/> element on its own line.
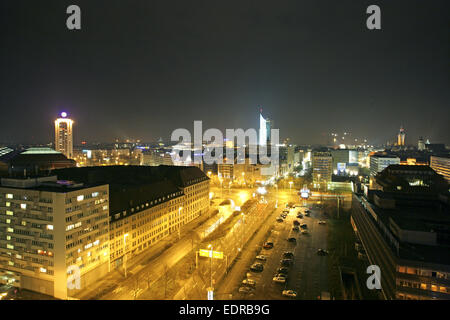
<point x="421" y="144"/>
<point x="379" y="161"/>
<point x="403" y="227"/>
<point x="147" y="203"/>
<point x="322" y="166"/>
<point x="31" y="161"/>
<point x="50" y="228"/>
<point x="264" y="129"/>
<point x="63" y="135"/>
<point x="401" y="137"/>
<point x="441" y="164"/>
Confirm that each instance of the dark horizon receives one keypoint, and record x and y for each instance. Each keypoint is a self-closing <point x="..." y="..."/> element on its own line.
<point x="140" y="71"/>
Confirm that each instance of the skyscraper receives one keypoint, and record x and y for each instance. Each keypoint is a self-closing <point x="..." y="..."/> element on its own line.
<point x="63" y="135"/>
<point x="421" y="144"/>
<point x="401" y="137"/>
<point x="264" y="129"/>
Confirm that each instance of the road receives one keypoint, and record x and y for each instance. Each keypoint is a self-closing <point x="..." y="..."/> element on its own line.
<point x="308" y="275"/>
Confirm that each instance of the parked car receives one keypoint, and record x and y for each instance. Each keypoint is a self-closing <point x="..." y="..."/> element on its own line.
<point x="303" y="226"/>
<point x="322" y="222"/>
<point x="305" y="232"/>
<point x="268" y="245"/>
<point x="261" y="257"/>
<point x="279" y="278"/>
<point x="296" y="228"/>
<point x="286" y="262"/>
<point x="322" y="252"/>
<point x="280" y="219"/>
<point x="300" y="216"/>
<point x="283" y="270"/>
<point x="307" y="213"/>
<point x="296" y="223"/>
<point x="245" y="290"/>
<point x="288" y="254"/>
<point x="257" y="267"/>
<point x="289" y="293"/>
<point x="249" y="283"/>
<point x="292" y="239"/>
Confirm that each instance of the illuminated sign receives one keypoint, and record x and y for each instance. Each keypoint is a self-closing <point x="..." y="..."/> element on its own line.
<point x="304" y="193"/>
<point x="207" y="253"/>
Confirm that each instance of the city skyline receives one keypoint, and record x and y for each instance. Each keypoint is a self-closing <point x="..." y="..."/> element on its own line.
<point x="293" y="60"/>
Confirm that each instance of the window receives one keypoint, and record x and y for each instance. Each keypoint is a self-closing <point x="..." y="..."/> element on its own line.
<point x="423" y="286"/>
<point x="43" y="270"/>
<point x="9" y="213"/>
<point x="94" y="194"/>
<point x="10" y="246"/>
<point x="23" y="206"/>
<point x="80" y="198"/>
<point x="10" y="229"/>
<point x="50" y="227"/>
<point x="8" y="204"/>
<point x="9" y="196"/>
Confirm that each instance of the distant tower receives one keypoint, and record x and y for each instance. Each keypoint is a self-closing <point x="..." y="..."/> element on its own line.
<point x="421" y="144"/>
<point x="264" y="129"/>
<point x="63" y="135"/>
<point x="401" y="137"/>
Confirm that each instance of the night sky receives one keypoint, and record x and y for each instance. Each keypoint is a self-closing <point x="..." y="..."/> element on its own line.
<point x="140" y="69"/>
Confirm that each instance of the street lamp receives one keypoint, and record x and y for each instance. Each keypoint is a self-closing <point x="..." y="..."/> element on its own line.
<point x="210" y="266"/>
<point x="125" y="253"/>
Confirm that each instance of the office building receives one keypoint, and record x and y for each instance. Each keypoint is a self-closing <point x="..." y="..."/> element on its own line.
<point x="441" y="164"/>
<point x="64" y="135"/>
<point x="265" y="126"/>
<point x="379" y="161"/>
<point x="401" y="137"/>
<point x="403" y="226"/>
<point x="421" y="144"/>
<point x="52" y="231"/>
<point x="322" y="164"/>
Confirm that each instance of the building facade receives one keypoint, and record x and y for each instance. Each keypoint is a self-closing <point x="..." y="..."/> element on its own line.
<point x="54" y="235"/>
<point x="322" y="166"/>
<point x="441" y="164"/>
<point x="64" y="135"/>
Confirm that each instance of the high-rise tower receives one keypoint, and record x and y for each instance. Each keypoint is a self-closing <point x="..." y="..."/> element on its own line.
<point x="264" y="129"/>
<point x="63" y="135"/>
<point x="401" y="137"/>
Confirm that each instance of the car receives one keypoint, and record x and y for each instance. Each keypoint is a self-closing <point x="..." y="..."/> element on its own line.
<point x="289" y="293"/>
<point x="286" y="262"/>
<point x="268" y="245"/>
<point x="283" y="216"/>
<point x="292" y="239"/>
<point x="303" y="226"/>
<point x="322" y="252"/>
<point x="305" y="232"/>
<point x="283" y="270"/>
<point x="288" y="254"/>
<point x="286" y="211"/>
<point x="257" y="267"/>
<point x="296" y="228"/>
<point x="279" y="219"/>
<point x="307" y="213"/>
<point x="279" y="278"/>
<point x="322" y="222"/>
<point x="300" y="216"/>
<point x="296" y="223"/>
<point x="245" y="290"/>
<point x="261" y="257"/>
<point x="249" y="282"/>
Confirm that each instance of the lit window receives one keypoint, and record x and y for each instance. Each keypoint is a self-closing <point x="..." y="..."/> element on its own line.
<point x="10" y="229"/>
<point x="87" y="246"/>
<point x="89" y="254"/>
<point x="43" y="270"/>
<point x="50" y="227"/>
<point x="18" y="256"/>
<point x="11" y="263"/>
<point x="23" y="206"/>
<point x="96" y="242"/>
<point x="434" y="287"/>
<point x="8" y="237"/>
<point x="423" y="286"/>
<point x="10" y="246"/>
<point x="8" y="204"/>
<point x="442" y="289"/>
<point x="70" y="227"/>
<point x="8" y="220"/>
<point x="94" y="194"/>
<point x="24" y="223"/>
<point x="9" y="196"/>
<point x="80" y="198"/>
<point x="9" y="213"/>
<point x="105" y="207"/>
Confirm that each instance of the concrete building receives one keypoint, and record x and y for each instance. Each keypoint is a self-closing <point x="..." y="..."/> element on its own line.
<point x="379" y="161"/>
<point x="64" y="135"/>
<point x="441" y="164"/>
<point x="403" y="227"/>
<point x="54" y="235"/>
<point x="147" y="203"/>
<point x="322" y="167"/>
<point x="421" y="144"/>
